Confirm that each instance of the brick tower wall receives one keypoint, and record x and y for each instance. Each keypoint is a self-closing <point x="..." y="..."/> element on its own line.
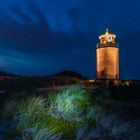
<point x="107" y="63"/>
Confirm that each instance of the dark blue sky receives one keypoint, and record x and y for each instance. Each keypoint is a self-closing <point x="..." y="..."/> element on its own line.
<point x="42" y="37"/>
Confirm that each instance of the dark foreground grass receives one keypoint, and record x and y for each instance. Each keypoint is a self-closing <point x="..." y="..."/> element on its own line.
<point x="76" y="114"/>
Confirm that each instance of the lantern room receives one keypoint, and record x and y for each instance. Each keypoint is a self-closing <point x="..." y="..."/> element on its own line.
<point x="107" y="38"/>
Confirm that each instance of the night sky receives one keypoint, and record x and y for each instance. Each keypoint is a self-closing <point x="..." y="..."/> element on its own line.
<point x="42" y="37"/>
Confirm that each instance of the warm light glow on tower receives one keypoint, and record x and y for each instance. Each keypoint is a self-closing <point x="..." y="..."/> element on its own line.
<point x="107" y="54"/>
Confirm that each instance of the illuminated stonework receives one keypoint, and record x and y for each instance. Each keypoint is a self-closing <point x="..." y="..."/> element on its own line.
<point x="107" y="54"/>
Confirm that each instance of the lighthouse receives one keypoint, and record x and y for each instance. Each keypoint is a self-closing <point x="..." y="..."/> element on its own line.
<point x="107" y="57"/>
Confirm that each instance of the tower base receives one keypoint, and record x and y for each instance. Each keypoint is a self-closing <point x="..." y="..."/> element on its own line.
<point x="109" y="82"/>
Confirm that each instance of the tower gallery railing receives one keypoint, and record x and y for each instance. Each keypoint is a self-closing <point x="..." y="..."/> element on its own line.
<point x="116" y="45"/>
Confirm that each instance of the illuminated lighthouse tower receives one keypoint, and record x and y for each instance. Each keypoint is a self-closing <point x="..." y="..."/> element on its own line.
<point x="107" y="54"/>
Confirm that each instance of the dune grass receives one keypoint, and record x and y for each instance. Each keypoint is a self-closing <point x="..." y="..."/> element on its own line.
<point x="58" y="116"/>
<point x="70" y="103"/>
<point x="72" y="113"/>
